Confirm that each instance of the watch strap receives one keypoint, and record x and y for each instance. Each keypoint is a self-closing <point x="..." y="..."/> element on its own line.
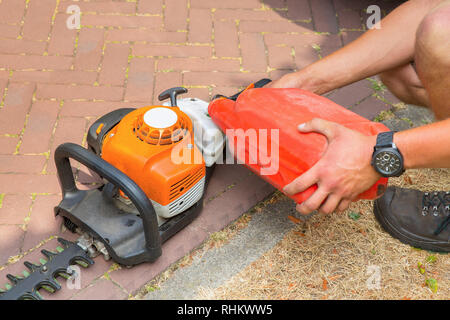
<point x="385" y="139"/>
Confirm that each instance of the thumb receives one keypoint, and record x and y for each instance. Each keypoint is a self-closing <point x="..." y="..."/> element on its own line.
<point x="327" y="128"/>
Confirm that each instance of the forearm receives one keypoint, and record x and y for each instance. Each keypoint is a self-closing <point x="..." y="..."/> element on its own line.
<point x="426" y="146"/>
<point x="375" y="51"/>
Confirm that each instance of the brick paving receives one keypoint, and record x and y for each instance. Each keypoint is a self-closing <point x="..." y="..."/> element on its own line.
<point x="55" y="81"/>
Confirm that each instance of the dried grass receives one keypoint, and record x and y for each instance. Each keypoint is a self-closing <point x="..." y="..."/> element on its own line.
<point x="330" y="257"/>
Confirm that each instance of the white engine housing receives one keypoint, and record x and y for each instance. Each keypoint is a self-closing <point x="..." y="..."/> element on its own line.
<point x="207" y="136"/>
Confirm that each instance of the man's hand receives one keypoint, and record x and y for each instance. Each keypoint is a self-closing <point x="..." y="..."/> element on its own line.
<point x="290" y="80"/>
<point x="343" y="172"/>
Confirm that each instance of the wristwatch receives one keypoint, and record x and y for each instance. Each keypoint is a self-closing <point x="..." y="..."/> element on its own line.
<point x="386" y="158"/>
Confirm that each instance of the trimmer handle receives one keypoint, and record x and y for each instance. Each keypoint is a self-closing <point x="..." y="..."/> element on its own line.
<point x="258" y="84"/>
<point x="67" y="151"/>
<point x="172" y="94"/>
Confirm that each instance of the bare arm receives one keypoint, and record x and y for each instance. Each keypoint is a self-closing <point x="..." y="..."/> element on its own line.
<point x="375" y="51"/>
<point x="426" y="146"/>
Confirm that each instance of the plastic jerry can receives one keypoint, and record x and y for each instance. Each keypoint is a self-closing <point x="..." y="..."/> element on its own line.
<point x="267" y="118"/>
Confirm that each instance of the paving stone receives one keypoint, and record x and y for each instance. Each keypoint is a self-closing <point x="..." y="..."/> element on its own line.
<point x="197" y="64"/>
<point x="253" y="52"/>
<point x="157" y="50"/>
<point x="16" y="46"/>
<point x="200" y="25"/>
<point x="150" y="6"/>
<point x="38" y="18"/>
<point x="95" y="108"/>
<point x="279" y="26"/>
<point x="14" y="208"/>
<point x="114" y="64"/>
<point x="164" y="81"/>
<point x="324" y="16"/>
<point x="11" y="238"/>
<point x="225" y="4"/>
<point x="104" y="20"/>
<point x="100" y="7"/>
<point x="22" y="163"/>
<point x="101" y="290"/>
<point x="57" y="76"/>
<point x="16" y="106"/>
<point x="140" y="80"/>
<point x="124" y="35"/>
<point x="350" y="20"/>
<point x="281" y="57"/>
<point x="28" y="183"/>
<point x="89" y="48"/>
<point x="42" y="222"/>
<point x="226" y="79"/>
<point x="370" y="107"/>
<point x="8" y="144"/>
<point x="39" y="129"/>
<point x="60" y="91"/>
<point x="226" y="42"/>
<point x="22" y="62"/>
<point x="62" y="40"/>
<point x="175" y="15"/>
<point x="12" y="11"/>
<point x="351" y="94"/>
<point x="250" y="14"/>
<point x="298" y="9"/>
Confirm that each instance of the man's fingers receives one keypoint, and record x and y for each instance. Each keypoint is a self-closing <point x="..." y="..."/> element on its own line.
<point x="345" y="203"/>
<point x="313" y="202"/>
<point x="301" y="183"/>
<point x="330" y="204"/>
<point x="327" y="128"/>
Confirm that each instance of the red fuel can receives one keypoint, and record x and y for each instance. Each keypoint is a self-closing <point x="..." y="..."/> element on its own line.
<point x="261" y="128"/>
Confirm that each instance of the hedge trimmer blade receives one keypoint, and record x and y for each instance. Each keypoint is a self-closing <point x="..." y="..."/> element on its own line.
<point x="43" y="276"/>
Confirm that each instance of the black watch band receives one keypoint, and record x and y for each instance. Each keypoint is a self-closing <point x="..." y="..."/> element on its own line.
<point x="385" y="139"/>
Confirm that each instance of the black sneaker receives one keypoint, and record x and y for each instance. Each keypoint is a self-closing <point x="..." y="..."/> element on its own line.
<point x="420" y="219"/>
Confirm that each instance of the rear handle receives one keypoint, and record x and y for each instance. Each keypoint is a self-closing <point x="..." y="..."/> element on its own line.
<point x="67" y="151"/>
<point x="172" y="94"/>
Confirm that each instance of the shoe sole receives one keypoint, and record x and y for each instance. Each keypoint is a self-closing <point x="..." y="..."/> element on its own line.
<point x="404" y="238"/>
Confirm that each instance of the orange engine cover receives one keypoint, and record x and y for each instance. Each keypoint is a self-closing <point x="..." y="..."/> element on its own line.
<point x="155" y="147"/>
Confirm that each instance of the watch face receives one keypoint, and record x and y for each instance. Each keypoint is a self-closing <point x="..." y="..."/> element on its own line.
<point x="388" y="162"/>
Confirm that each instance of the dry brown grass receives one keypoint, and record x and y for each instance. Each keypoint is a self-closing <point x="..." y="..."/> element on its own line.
<point x="328" y="257"/>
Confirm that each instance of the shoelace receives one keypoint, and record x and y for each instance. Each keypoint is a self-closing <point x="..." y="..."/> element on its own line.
<point x="435" y="200"/>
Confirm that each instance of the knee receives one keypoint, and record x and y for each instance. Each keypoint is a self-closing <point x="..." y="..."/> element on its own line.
<point x="434" y="31"/>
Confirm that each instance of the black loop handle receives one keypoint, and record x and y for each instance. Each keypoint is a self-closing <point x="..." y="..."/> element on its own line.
<point x="258" y="84"/>
<point x="172" y="93"/>
<point x="67" y="151"/>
